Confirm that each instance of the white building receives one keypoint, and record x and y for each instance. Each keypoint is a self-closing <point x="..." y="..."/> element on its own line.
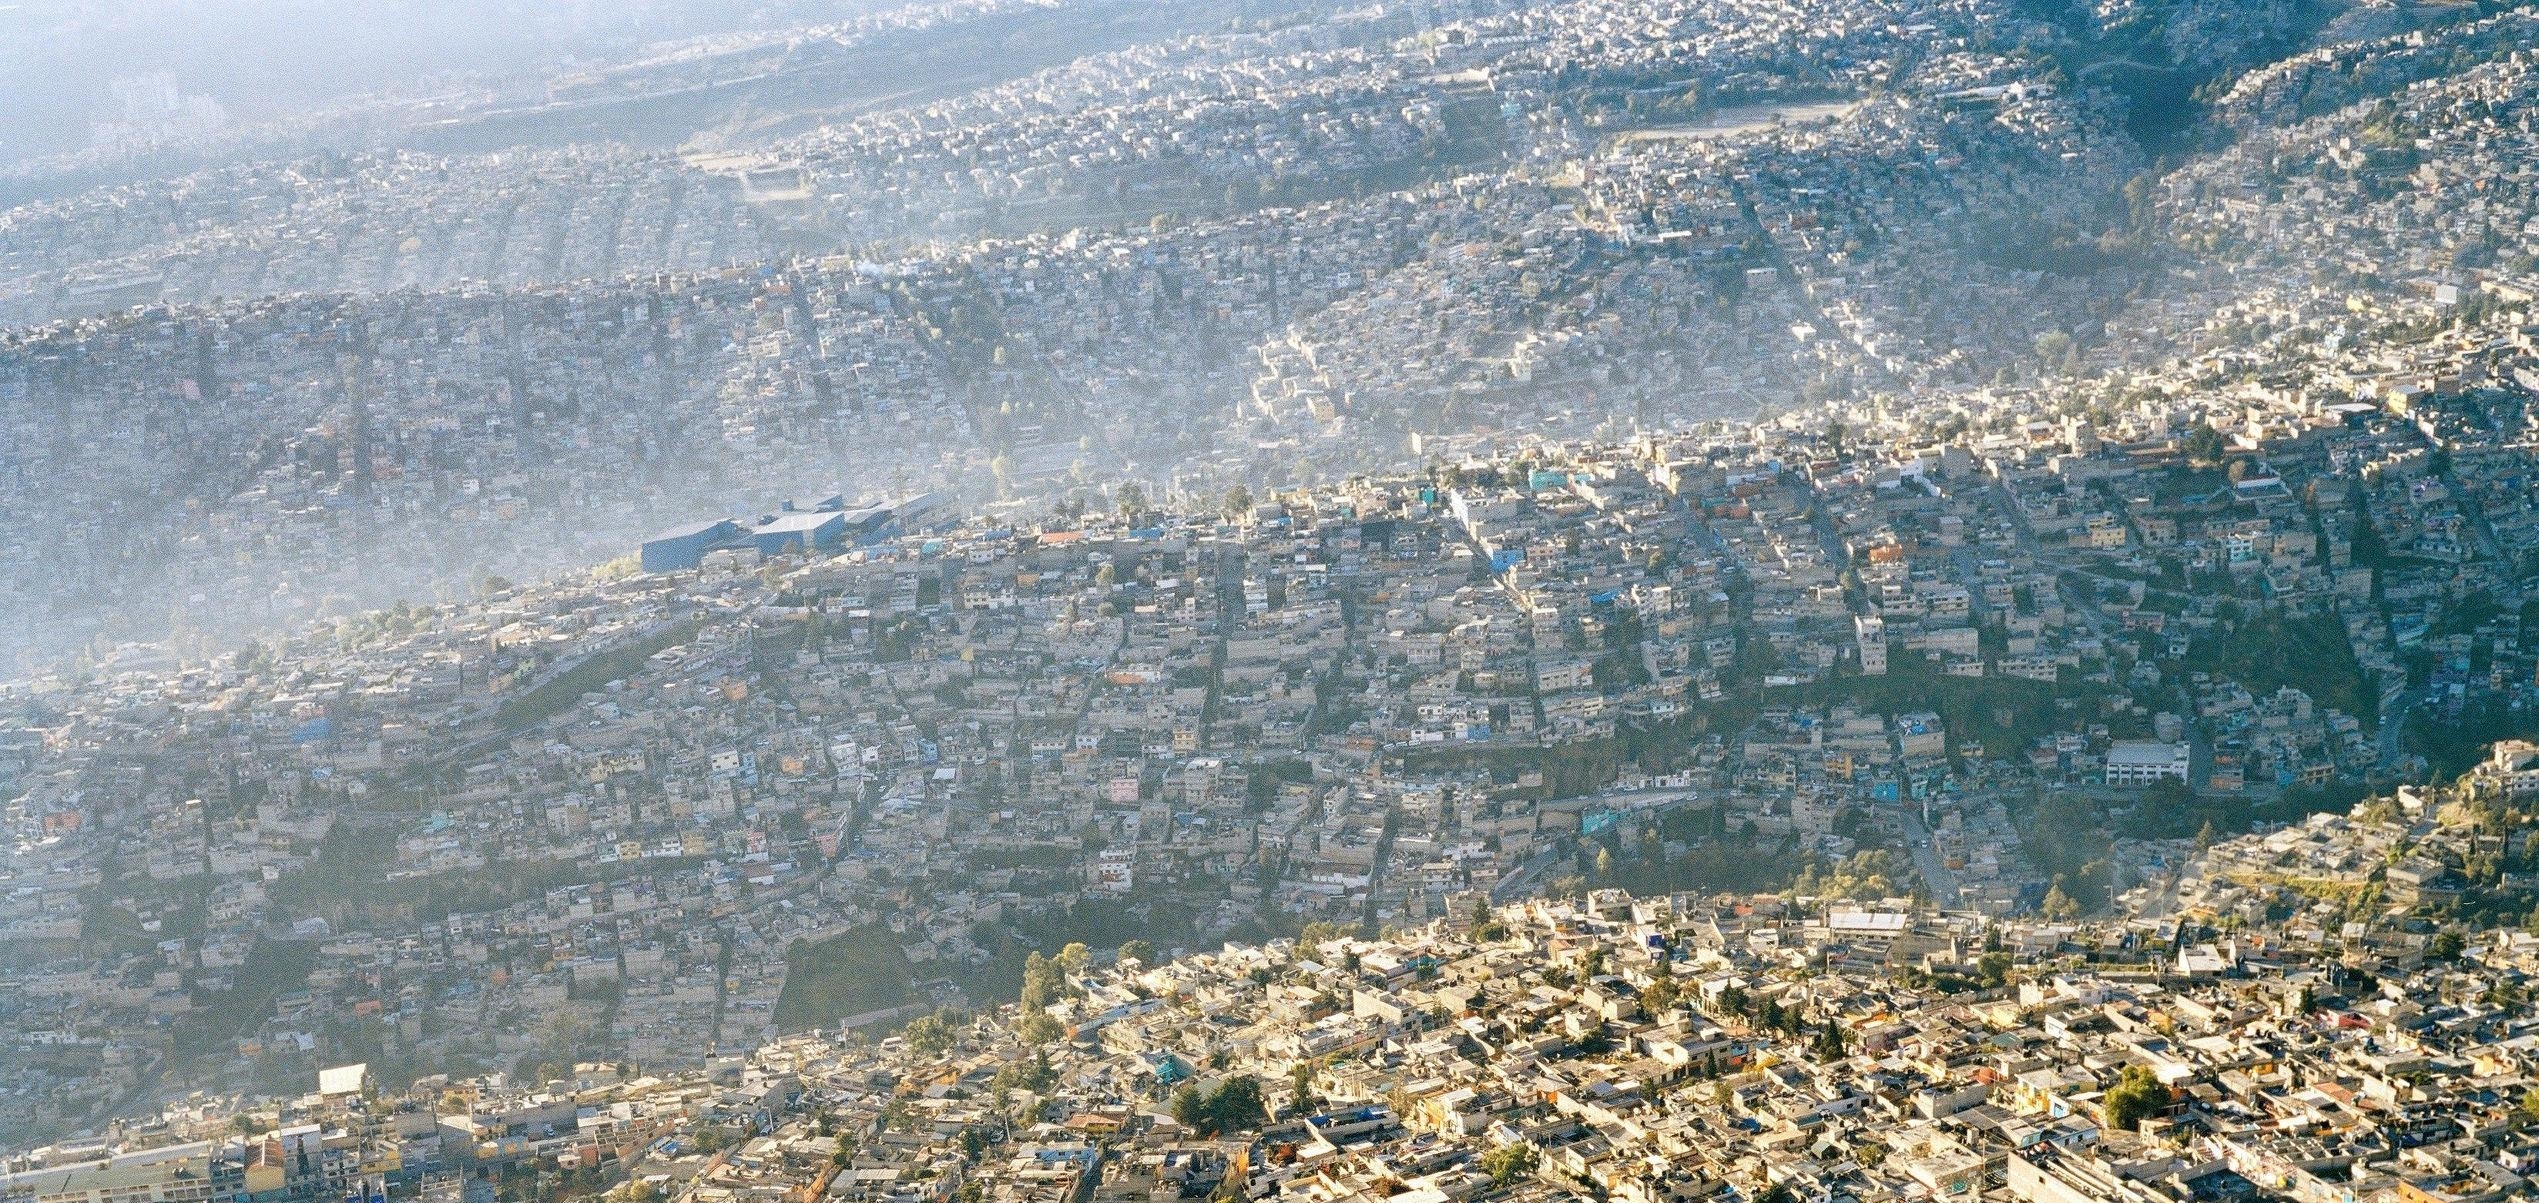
<point x="2143" y="761"/>
<point x="2514" y="766"/>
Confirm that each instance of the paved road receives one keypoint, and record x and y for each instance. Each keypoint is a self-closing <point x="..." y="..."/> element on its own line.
<point x="1521" y="878"/>
<point x="1944" y="884"/>
<point x="2164" y="899"/>
<point x="2393" y="726"/>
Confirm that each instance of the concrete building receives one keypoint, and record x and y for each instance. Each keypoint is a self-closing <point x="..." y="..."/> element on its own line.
<point x="684" y="547"/>
<point x="2143" y="761"/>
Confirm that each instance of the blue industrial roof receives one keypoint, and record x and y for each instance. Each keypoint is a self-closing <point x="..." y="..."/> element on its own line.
<point x="803" y="522"/>
<point x="690" y="530"/>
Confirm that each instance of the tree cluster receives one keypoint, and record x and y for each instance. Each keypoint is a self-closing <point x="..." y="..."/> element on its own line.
<point x="1510" y="1163"/>
<point x="2136" y="1096"/>
<point x="1234" y="1106"/>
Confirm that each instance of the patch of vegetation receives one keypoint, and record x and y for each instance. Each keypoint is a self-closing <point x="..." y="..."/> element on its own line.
<point x="1095" y="922"/>
<point x="2169" y="811"/>
<point x="2136" y="1096"/>
<point x="272" y="969"/>
<point x="2270" y="651"/>
<point x="2064" y="832"/>
<point x="348" y="863"/>
<point x="2161" y="108"/>
<point x="347" y="874"/>
<point x="2454" y="744"/>
<point x="1261" y="785"/>
<point x="1234" y="1106"/>
<point x="2056" y="250"/>
<point x="1510" y="1163"/>
<point x="1719" y="858"/>
<point x="843" y="975"/>
<point x="1044" y="856"/>
<point x="558" y="695"/>
<point x="2006" y="713"/>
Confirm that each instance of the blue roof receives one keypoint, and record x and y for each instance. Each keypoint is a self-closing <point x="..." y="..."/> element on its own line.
<point x="805" y="523"/>
<point x="691" y="530"/>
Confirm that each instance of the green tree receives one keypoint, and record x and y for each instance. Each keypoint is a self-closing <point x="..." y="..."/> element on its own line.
<point x="1237" y="1105"/>
<point x="2136" y="1096"/>
<point x="1510" y="1163"/>
<point x="1040" y="982"/>
<point x="1190" y="1107"/>
<point x="1140" y="951"/>
<point x="1318" y="932"/>
<point x="1039" y="1028"/>
<point x="1035" y="1074"/>
<point x="2203" y="445"/>
<point x="931" y="1035"/>
<point x="2053" y="348"/>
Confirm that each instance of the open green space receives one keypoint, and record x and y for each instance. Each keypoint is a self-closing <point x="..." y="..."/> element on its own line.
<point x="2271" y="650"/>
<point x="557" y="695"/>
<point x="843" y="975"/>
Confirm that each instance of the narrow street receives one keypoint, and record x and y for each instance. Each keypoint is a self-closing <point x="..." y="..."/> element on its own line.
<point x="1944" y="884"/>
